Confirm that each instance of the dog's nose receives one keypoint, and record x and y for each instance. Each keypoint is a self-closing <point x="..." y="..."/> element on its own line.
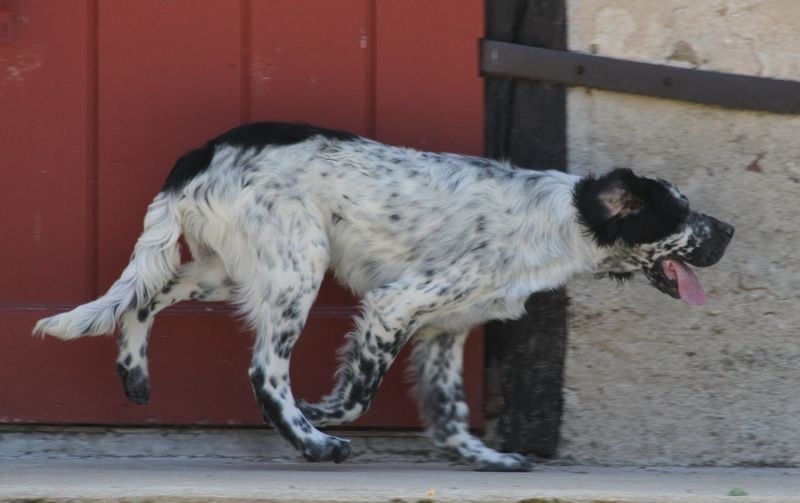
<point x="727" y="229"/>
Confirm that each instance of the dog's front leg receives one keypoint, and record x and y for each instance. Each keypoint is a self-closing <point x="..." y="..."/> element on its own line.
<point x="438" y="362"/>
<point x="391" y="315"/>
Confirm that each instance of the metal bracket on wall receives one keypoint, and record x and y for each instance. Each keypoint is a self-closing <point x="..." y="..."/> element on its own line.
<point x="501" y="59"/>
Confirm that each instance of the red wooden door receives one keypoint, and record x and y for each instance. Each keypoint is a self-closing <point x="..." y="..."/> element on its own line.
<point x="97" y="100"/>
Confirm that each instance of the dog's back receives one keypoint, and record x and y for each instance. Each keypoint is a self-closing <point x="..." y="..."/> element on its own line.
<point x="385" y="210"/>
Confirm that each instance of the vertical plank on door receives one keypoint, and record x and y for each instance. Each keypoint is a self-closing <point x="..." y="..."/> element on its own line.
<point x="309" y="62"/>
<point x="429" y="92"/>
<point x="45" y="85"/>
<point x="429" y="95"/>
<point x="44" y="95"/>
<point x="169" y="77"/>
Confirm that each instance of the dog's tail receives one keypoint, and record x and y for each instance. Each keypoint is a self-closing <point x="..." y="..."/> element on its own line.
<point x="154" y="263"/>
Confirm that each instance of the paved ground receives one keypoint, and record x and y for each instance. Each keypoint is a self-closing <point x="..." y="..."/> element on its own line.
<point x="192" y="465"/>
<point x="152" y="480"/>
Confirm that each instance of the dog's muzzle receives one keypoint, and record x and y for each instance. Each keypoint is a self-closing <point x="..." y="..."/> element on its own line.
<point x="713" y="237"/>
<point x="673" y="276"/>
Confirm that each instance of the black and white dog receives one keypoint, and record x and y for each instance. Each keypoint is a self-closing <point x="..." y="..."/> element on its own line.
<point x="434" y="243"/>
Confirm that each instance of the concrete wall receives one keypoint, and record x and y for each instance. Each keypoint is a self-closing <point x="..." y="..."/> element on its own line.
<point x="650" y="379"/>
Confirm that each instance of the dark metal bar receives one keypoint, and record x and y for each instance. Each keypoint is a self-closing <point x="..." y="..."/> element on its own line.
<point x="501" y="59"/>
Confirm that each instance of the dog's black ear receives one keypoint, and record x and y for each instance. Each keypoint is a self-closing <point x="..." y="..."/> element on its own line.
<point x="603" y="202"/>
<point x="615" y="191"/>
<point x="621" y="206"/>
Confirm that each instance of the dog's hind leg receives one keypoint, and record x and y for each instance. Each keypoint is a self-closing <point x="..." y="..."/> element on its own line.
<point x="204" y="280"/>
<point x="438" y="360"/>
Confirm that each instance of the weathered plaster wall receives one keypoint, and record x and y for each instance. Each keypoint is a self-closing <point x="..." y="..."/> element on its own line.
<point x="650" y="379"/>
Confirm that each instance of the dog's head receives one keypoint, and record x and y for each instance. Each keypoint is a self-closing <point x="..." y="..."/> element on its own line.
<point x="648" y="226"/>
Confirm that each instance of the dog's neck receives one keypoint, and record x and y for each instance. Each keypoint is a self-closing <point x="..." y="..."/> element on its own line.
<point x="551" y="243"/>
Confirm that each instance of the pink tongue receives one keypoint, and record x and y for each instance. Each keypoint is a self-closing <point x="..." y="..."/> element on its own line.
<point x="689" y="287"/>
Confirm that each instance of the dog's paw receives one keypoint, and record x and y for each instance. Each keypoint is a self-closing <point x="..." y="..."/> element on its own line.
<point x="332" y="449"/>
<point x="509" y="462"/>
<point x="135" y="383"/>
<point x="324" y="413"/>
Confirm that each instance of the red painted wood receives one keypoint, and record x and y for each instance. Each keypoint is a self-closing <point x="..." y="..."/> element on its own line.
<point x="429" y="93"/>
<point x="195" y="378"/>
<point x="169" y="79"/>
<point x="308" y="62"/>
<point x="44" y="98"/>
<point x="169" y="76"/>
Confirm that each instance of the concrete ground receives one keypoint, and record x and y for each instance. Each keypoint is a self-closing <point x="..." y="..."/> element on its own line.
<point x="192" y="465"/>
<point x="218" y="480"/>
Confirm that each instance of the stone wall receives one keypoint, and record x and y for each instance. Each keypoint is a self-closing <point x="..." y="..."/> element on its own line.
<point x="649" y="379"/>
